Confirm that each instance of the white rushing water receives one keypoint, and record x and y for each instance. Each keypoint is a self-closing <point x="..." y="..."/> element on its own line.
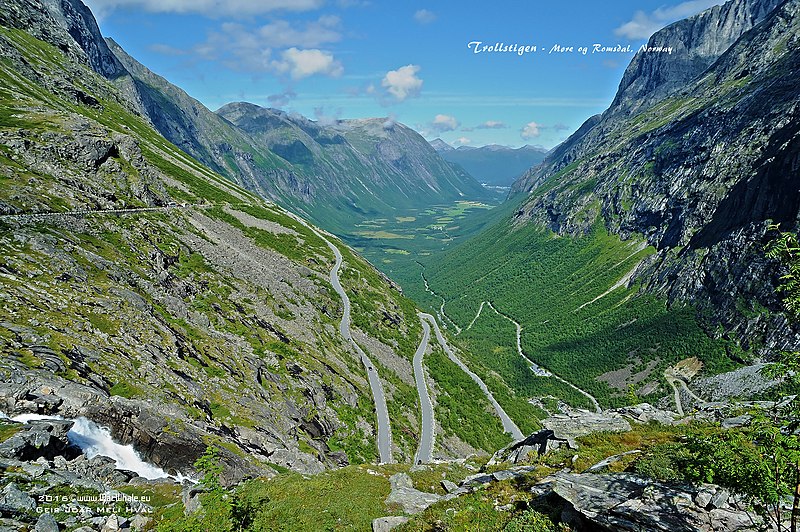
<point x="95" y="440"/>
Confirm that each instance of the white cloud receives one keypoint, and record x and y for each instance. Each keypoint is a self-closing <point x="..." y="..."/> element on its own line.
<point x="209" y="8"/>
<point x="325" y="119"/>
<point x="492" y="124"/>
<point x="403" y="83"/>
<point x="462" y="141"/>
<point x="281" y="99"/>
<point x="643" y="25"/>
<point x="530" y="131"/>
<point x="303" y="63"/>
<point x="560" y="127"/>
<point x="242" y="49"/>
<point x="281" y="34"/>
<point x="442" y="123"/>
<point x="424" y="16"/>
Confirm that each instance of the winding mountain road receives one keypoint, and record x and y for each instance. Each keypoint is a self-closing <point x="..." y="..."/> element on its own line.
<point x="442" y="314"/>
<point x="384" y="440"/>
<point x="384" y="430"/>
<point x="427" y="432"/>
<point x="44" y="216"/>
<point x="537" y="369"/>
<point x="672" y="378"/>
<point x="477" y="315"/>
<point x="508" y="425"/>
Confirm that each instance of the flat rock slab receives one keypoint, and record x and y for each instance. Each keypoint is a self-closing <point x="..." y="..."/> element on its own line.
<point x="412" y="500"/>
<point x="385" y="524"/>
<point x="627" y="502"/>
<point x="583" y="423"/>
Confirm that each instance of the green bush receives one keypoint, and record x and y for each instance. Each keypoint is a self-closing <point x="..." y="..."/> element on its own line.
<point x="664" y="462"/>
<point x="533" y="521"/>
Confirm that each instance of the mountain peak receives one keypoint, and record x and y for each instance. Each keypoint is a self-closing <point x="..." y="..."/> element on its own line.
<point x="695" y="44"/>
<point x="67" y="25"/>
<point x="440" y="145"/>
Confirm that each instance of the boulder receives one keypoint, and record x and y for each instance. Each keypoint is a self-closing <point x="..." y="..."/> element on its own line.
<point x="602" y="464"/>
<point x="16" y="500"/>
<point x="624" y="502"/>
<point x="40" y="439"/>
<point x="449" y="486"/>
<point x="139" y="522"/>
<point x="115" y="523"/>
<point x="568" y="427"/>
<point x="476" y="479"/>
<point x="504" y="475"/>
<point x="101" y="469"/>
<point x="191" y="497"/>
<point x="403" y="493"/>
<point x="645" y="413"/>
<point x="563" y="429"/>
<point x="720" y="499"/>
<point x="704" y="496"/>
<point x="46" y="523"/>
<point x="519" y="451"/>
<point x="385" y="524"/>
<point x="737" y="421"/>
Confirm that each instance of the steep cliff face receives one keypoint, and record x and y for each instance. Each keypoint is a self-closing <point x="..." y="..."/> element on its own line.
<point x="69" y="26"/>
<point x="699" y="169"/>
<point x="695" y="44"/>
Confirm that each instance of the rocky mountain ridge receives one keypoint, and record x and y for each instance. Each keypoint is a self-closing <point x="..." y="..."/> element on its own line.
<point x="699" y="166"/>
<point x="370" y="166"/>
<point x="492" y="165"/>
<point x="698" y="42"/>
<point x="327" y="170"/>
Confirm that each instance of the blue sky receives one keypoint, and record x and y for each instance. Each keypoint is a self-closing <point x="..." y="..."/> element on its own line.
<point x="411" y="61"/>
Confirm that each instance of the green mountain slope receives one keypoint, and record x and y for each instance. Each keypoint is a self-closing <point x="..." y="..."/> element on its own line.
<point x="354" y="170"/>
<point x="337" y="174"/>
<point x="640" y="242"/>
<point x="149" y="293"/>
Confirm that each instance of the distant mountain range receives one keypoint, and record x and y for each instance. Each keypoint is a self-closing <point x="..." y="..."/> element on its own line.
<point x="492" y="165"/>
<point x="337" y="173"/>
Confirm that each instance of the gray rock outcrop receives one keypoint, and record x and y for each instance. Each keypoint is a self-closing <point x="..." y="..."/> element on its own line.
<point x="404" y="494"/>
<point x="561" y="429"/>
<point x="15" y="499"/>
<point x="40" y="439"/>
<point x="385" y="524"/>
<point x="623" y="502"/>
<point x="46" y="523"/>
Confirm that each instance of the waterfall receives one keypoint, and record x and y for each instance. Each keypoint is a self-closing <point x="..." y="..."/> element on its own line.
<point x="95" y="440"/>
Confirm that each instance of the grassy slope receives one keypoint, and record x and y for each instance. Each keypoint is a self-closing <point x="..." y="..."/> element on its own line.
<point x="126" y="242"/>
<point x="542" y="280"/>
